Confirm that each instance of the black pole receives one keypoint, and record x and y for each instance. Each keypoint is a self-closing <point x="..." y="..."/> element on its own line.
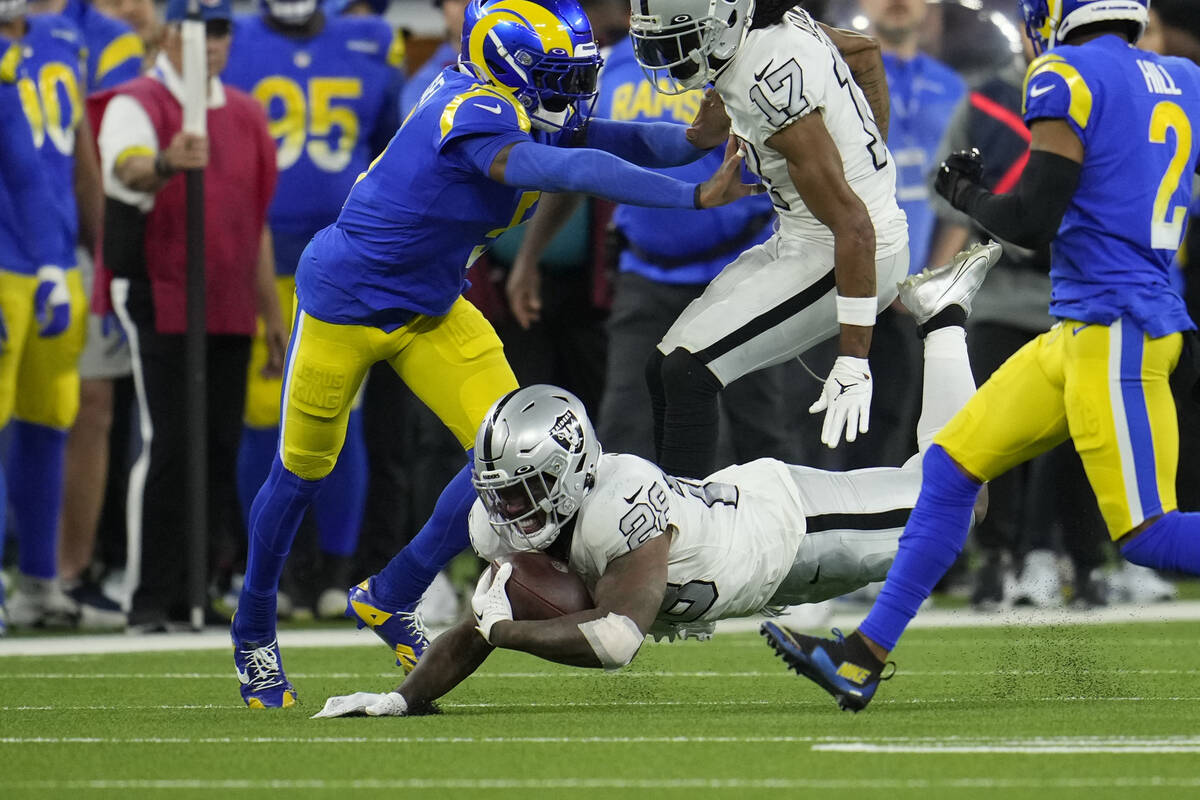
<point x="195" y="391"/>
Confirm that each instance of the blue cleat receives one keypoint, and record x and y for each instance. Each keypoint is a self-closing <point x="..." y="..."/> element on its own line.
<point x="851" y="679"/>
<point x="401" y="629"/>
<point x="260" y="670"/>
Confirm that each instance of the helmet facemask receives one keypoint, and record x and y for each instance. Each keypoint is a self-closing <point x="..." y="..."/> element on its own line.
<point x="680" y="52"/>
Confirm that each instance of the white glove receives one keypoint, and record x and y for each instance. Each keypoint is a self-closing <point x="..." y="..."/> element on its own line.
<point x="846" y="400"/>
<point x="490" y="601"/>
<point x="52" y="301"/>
<point x="359" y="704"/>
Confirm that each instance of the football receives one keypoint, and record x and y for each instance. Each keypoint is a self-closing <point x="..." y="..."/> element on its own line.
<point x="542" y="587"/>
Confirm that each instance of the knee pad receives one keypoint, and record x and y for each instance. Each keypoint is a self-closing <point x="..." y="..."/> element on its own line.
<point x="685" y="377"/>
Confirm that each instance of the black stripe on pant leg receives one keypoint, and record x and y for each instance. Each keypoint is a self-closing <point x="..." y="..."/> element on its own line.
<point x="875" y="521"/>
<point x="764" y="322"/>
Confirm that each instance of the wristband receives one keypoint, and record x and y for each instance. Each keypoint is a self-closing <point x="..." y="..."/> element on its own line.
<point x="856" y="310"/>
<point x="161" y="168"/>
<point x="696" y="197"/>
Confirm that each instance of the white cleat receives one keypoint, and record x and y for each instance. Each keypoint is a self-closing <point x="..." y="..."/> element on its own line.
<point x="956" y="283"/>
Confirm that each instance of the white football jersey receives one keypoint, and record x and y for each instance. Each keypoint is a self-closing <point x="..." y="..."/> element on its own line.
<point x="733" y="537"/>
<point x="789" y="70"/>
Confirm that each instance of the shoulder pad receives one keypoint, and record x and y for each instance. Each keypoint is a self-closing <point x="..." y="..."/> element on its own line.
<point x="1055" y="88"/>
<point x="482" y="110"/>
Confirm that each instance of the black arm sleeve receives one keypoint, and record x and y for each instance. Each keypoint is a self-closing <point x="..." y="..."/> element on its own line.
<point x="1030" y="214"/>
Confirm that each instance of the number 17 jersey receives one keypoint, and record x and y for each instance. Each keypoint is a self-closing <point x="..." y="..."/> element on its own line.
<point x="1135" y="114"/>
<point x="785" y="72"/>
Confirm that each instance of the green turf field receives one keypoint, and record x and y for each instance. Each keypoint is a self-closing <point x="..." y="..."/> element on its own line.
<point x="1098" y="712"/>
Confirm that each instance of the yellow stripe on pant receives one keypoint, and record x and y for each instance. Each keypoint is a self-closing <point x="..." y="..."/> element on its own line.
<point x="1105" y="387"/>
<point x="454" y="363"/>
<point x="39" y="377"/>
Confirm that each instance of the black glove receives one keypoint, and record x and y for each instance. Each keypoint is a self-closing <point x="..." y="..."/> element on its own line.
<point x="958" y="174"/>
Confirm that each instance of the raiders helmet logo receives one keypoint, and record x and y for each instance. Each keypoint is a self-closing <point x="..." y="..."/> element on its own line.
<point x="568" y="432"/>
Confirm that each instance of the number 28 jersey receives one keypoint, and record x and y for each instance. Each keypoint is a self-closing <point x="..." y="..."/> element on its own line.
<point x="785" y="72"/>
<point x="733" y="537"/>
<point x="1136" y="114"/>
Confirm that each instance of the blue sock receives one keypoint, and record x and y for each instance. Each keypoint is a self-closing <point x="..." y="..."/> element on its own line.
<point x="932" y="540"/>
<point x="255" y="454"/>
<point x="35" y="483"/>
<point x="1172" y="542"/>
<point x="274" y="519"/>
<point x="339" y="505"/>
<point x="444" y="535"/>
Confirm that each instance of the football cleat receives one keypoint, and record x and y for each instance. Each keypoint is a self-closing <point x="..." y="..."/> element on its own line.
<point x="827" y="663"/>
<point x="401" y="629"/>
<point x="260" y="670"/>
<point x="956" y="283"/>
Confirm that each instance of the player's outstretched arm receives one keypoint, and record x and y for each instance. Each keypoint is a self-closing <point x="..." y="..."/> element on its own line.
<point x="628" y="596"/>
<point x="815" y="167"/>
<point x="451" y="657"/>
<point x="530" y="165"/>
<point x="865" y="60"/>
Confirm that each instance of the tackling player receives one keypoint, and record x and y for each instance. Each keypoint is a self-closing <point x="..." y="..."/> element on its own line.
<point x="330" y="93"/>
<point x="671" y="556"/>
<point x="384" y="283"/>
<point x="1107" y="185"/>
<point x="811" y="135"/>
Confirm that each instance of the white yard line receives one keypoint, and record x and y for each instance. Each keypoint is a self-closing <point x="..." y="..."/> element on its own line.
<point x="442" y="784"/>
<point x="218" y="638"/>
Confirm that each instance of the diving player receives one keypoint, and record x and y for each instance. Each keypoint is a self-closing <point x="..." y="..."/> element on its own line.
<point x="665" y="555"/>
<point x="385" y="281"/>
<point x="1107" y="186"/>
<point x="45" y="307"/>
<point x="330" y="93"/>
<point x="812" y="136"/>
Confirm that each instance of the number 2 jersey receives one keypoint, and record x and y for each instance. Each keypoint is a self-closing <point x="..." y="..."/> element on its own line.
<point x="733" y="537"/>
<point x="1135" y="113"/>
<point x="785" y="72"/>
<point x="330" y="100"/>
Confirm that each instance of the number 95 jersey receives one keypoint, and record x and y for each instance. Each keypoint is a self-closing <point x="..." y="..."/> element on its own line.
<point x="330" y="100"/>
<point x="734" y="536"/>
<point x="785" y="72"/>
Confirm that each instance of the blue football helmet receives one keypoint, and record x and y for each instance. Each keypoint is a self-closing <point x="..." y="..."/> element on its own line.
<point x="1049" y="21"/>
<point x="542" y="51"/>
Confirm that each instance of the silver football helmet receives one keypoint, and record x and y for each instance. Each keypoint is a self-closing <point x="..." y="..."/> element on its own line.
<point x="11" y="10"/>
<point x="535" y="458"/>
<point x="684" y="44"/>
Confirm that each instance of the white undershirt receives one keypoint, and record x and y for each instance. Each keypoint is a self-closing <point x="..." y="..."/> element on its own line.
<point x="126" y="126"/>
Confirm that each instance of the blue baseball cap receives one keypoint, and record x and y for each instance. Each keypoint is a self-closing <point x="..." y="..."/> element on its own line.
<point x="177" y="10"/>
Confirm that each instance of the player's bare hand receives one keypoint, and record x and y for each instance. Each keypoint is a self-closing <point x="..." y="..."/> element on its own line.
<point x="726" y="185"/>
<point x="524" y="291"/>
<point x="711" y="125"/>
<point x="276" y="351"/>
<point x="187" y="151"/>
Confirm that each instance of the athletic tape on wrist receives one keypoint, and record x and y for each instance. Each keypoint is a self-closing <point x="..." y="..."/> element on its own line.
<point x="614" y="638"/>
<point x="856" y="310"/>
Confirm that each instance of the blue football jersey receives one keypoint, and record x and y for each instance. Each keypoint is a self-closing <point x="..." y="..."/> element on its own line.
<point x="670" y="234"/>
<point x="924" y="95"/>
<point x="49" y="82"/>
<point x="421" y="214"/>
<point x="114" y="51"/>
<point x="330" y="101"/>
<point x="23" y="192"/>
<point x="1134" y="112"/>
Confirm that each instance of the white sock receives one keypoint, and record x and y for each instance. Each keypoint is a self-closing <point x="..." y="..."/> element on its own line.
<point x="948" y="382"/>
